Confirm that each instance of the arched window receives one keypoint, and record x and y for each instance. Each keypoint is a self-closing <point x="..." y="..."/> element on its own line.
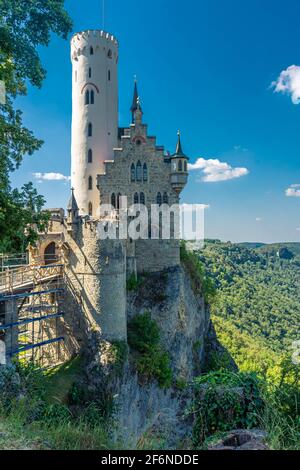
<point x="145" y="172"/>
<point x="113" y="200"/>
<point x="142" y="198"/>
<point x="92" y="97"/>
<point x="50" y="253"/>
<point x="109" y="76"/>
<point x="90" y="208"/>
<point x="139" y="171"/>
<point x="87" y="97"/>
<point x="90" y="129"/>
<point x="136" y="198"/>
<point x="109" y="54"/>
<point x="165" y="198"/>
<point x="90" y="183"/>
<point x="185" y="165"/>
<point x="90" y="72"/>
<point x="119" y="200"/>
<point x="90" y="156"/>
<point x="159" y="199"/>
<point x="132" y="172"/>
<point x="91" y="50"/>
<point x="180" y="165"/>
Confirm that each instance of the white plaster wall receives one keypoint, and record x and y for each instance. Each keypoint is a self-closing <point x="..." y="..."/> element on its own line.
<point x="103" y="114"/>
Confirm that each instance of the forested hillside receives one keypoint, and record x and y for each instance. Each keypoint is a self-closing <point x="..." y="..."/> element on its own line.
<point x="258" y="290"/>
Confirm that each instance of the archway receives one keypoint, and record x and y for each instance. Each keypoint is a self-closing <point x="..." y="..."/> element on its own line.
<point x="50" y="254"/>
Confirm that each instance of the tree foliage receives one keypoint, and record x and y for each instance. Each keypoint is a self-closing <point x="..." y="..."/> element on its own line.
<point x="24" y="26"/>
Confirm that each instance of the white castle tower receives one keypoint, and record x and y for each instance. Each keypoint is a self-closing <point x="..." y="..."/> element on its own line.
<point x="94" y="56"/>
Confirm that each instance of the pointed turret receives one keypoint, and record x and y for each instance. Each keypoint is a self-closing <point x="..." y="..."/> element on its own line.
<point x="136" y="103"/>
<point x="72" y="209"/>
<point x="179" y="167"/>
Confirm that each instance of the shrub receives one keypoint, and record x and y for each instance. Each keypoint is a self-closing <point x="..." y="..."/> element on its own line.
<point x="202" y="284"/>
<point x="223" y="401"/>
<point x="152" y="360"/>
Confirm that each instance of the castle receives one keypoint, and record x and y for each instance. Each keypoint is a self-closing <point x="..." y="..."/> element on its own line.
<point x="108" y="163"/>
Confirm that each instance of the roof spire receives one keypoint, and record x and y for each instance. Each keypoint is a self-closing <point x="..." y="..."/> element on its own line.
<point x="136" y="102"/>
<point x="179" y="151"/>
<point x="72" y="206"/>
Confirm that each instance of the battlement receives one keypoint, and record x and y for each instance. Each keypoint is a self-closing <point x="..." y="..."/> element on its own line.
<point x="93" y="34"/>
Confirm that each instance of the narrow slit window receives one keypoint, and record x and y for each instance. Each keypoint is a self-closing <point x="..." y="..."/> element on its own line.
<point x="90" y="130"/>
<point x="90" y="183"/>
<point x="90" y="72"/>
<point x="109" y="76"/>
<point x="132" y="172"/>
<point x="87" y="97"/>
<point x="91" y="50"/>
<point x="90" y="156"/>
<point x="92" y="97"/>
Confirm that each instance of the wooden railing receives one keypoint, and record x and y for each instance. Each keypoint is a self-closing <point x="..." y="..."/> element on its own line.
<point x="13" y="278"/>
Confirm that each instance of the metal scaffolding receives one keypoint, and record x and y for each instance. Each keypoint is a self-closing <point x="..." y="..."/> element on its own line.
<point x="31" y="313"/>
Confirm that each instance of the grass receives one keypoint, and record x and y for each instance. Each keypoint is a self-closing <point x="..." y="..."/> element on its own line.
<point x="59" y="380"/>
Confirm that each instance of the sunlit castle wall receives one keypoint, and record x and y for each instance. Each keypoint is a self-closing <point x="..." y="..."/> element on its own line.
<point x="94" y="56"/>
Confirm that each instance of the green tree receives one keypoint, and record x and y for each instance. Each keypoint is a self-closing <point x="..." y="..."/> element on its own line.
<point x="24" y="26"/>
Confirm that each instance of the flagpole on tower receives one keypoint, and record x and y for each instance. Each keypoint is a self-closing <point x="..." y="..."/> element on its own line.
<point x="103" y="14"/>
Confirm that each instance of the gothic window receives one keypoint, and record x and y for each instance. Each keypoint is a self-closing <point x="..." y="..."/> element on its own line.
<point x="119" y="200"/>
<point x="90" y="208"/>
<point x="165" y="198"/>
<point x="87" y="97"/>
<point x="90" y="183"/>
<point x="113" y="200"/>
<point x="185" y="166"/>
<point x="132" y="172"/>
<point x="90" y="156"/>
<point x="91" y="50"/>
<point x="142" y="198"/>
<point x="136" y="198"/>
<point x="92" y="97"/>
<point x="90" y="72"/>
<point x="145" y="172"/>
<point x="139" y="171"/>
<point x="109" y="76"/>
<point x="180" y="165"/>
<point x="159" y="199"/>
<point x="90" y="130"/>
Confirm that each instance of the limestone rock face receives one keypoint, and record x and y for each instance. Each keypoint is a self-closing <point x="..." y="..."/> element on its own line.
<point x="145" y="412"/>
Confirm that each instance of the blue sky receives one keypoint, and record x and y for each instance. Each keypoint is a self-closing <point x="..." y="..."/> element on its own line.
<point x="206" y="67"/>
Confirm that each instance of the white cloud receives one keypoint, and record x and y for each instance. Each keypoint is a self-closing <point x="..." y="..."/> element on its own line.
<point x="258" y="219"/>
<point x="51" y="177"/>
<point x="289" y="82"/>
<point x="214" y="170"/>
<point x="293" y="190"/>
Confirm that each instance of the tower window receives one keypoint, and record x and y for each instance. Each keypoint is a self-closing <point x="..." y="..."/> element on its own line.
<point x="90" y="183"/>
<point x="92" y="97"/>
<point x="90" y="209"/>
<point x="119" y="200"/>
<point x="159" y="199"/>
<point x="136" y="198"/>
<point x="185" y="165"/>
<point x="113" y="200"/>
<point x="165" y="198"/>
<point x="142" y="198"/>
<point x="132" y="172"/>
<point x="109" y="75"/>
<point x="90" y="72"/>
<point x="109" y="54"/>
<point x="180" y="165"/>
<point x="90" y="130"/>
<point x="145" y="172"/>
<point x="90" y="156"/>
<point x="139" y="171"/>
<point x="91" y="50"/>
<point x="87" y="97"/>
